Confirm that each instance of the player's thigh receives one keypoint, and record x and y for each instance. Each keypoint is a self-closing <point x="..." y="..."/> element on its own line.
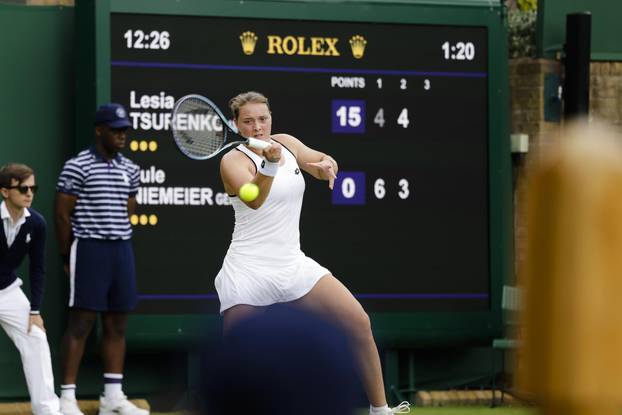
<point x="91" y="272"/>
<point x="114" y="324"/>
<point x="14" y="319"/>
<point x="123" y="295"/>
<point x="330" y="298"/>
<point x="14" y="309"/>
<point x="237" y="313"/>
<point x="80" y="322"/>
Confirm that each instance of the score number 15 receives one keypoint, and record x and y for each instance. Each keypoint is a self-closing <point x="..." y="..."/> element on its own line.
<point x="348" y="116"/>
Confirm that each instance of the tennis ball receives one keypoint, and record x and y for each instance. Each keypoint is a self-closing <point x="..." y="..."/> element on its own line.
<point x="248" y="192"/>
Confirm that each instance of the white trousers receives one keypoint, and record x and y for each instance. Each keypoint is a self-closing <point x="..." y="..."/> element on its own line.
<point x="33" y="348"/>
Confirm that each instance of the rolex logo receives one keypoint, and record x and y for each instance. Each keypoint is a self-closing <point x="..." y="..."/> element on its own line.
<point x="357" y="43"/>
<point x="249" y="40"/>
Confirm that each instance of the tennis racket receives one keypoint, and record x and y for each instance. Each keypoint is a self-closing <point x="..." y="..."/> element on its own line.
<point x="201" y="131"/>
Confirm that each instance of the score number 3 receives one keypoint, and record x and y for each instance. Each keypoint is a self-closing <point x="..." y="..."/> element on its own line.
<point x="380" y="190"/>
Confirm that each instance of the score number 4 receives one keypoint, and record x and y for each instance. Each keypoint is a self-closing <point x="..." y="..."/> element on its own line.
<point x="402" y="119"/>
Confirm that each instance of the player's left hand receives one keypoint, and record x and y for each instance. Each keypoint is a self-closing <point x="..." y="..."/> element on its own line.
<point x="37" y="320"/>
<point x="327" y="170"/>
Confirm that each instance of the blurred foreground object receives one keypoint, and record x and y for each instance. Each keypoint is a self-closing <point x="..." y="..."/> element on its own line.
<point x="282" y="361"/>
<point x="573" y="275"/>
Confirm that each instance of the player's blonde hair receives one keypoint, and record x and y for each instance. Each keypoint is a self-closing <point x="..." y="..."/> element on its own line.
<point x="244" y="98"/>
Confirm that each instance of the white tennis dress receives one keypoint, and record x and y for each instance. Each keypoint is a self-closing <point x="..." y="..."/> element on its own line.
<point x="264" y="264"/>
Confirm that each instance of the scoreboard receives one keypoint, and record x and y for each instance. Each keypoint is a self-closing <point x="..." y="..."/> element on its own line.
<point x="404" y="107"/>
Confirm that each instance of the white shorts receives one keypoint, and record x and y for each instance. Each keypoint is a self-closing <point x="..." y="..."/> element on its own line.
<point x="243" y="280"/>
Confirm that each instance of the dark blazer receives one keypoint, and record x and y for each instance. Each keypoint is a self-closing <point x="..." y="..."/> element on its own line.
<point x="29" y="240"/>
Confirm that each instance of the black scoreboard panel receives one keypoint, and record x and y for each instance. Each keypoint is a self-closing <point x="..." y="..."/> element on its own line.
<point x="404" y="110"/>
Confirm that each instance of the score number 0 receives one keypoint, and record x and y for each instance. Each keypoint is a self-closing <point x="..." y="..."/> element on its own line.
<point x="350" y="188"/>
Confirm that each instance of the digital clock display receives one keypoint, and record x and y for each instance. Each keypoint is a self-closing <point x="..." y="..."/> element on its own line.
<point x="139" y="39"/>
<point x="406" y="227"/>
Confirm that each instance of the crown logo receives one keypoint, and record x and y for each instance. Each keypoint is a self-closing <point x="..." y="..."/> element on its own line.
<point x="249" y="40"/>
<point x="357" y="43"/>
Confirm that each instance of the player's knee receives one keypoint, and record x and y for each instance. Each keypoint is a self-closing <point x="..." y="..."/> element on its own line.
<point x="114" y="327"/>
<point x="38" y="342"/>
<point x="114" y="330"/>
<point x="29" y="341"/>
<point x="37" y="335"/>
<point x="79" y="328"/>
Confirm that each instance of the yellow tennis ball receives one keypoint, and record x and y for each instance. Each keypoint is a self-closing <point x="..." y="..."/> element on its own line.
<point x="248" y="192"/>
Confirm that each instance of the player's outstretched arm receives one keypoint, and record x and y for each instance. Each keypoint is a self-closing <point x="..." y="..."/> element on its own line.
<point x="236" y="169"/>
<point x="319" y="165"/>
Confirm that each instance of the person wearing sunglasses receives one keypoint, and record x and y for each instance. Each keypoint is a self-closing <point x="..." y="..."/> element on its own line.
<point x="23" y="233"/>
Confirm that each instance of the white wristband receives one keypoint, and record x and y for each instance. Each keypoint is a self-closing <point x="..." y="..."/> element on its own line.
<point x="268" y="168"/>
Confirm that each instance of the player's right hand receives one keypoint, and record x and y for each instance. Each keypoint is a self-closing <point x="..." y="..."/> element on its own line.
<point x="272" y="153"/>
<point x="36" y="320"/>
<point x="66" y="269"/>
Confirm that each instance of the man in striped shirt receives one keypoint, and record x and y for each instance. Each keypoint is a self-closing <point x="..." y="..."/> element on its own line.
<point x="96" y="194"/>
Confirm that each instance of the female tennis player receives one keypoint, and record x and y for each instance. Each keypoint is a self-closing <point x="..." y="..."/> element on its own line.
<point x="264" y="264"/>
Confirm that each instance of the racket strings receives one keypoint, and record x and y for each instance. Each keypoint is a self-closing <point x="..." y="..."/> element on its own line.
<point x="197" y="128"/>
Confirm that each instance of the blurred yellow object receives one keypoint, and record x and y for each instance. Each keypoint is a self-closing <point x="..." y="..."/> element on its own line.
<point x="527" y="5"/>
<point x="572" y="317"/>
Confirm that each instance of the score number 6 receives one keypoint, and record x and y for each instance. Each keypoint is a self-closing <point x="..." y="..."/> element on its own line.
<point x="380" y="190"/>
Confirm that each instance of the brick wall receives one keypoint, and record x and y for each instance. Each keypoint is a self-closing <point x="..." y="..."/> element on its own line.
<point x="606" y="92"/>
<point x="527" y="116"/>
<point x="527" y="103"/>
<point x="527" y="100"/>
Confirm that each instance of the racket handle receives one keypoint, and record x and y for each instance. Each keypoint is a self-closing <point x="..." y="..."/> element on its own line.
<point x="256" y="143"/>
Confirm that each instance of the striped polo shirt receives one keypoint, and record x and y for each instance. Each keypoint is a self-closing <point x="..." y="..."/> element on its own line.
<point x="102" y="188"/>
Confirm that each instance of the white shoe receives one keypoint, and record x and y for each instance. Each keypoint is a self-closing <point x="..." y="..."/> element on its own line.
<point x="69" y="407"/>
<point x="402" y="408"/>
<point x="119" y="406"/>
